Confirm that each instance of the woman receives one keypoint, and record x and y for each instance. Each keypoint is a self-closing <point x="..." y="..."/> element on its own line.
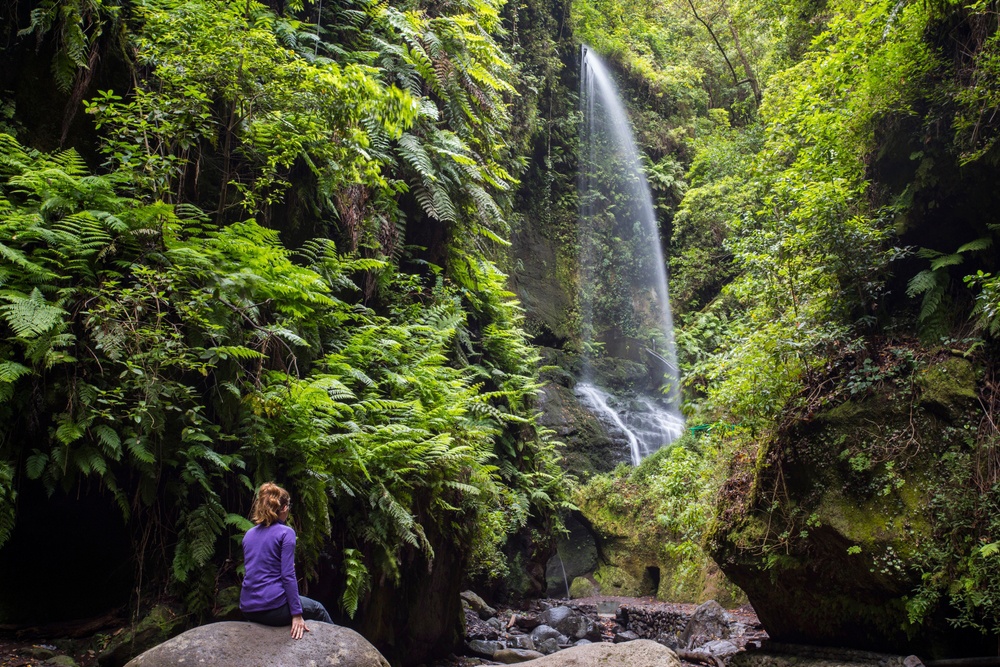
<point x="270" y="592"/>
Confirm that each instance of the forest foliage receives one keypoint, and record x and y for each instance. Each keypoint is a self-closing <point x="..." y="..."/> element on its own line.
<point x="166" y="343"/>
<point x="837" y="208"/>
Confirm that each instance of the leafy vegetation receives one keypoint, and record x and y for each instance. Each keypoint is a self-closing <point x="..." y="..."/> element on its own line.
<point x="247" y="288"/>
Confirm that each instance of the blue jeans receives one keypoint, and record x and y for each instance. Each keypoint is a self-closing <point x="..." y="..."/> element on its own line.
<point x="311" y="611"/>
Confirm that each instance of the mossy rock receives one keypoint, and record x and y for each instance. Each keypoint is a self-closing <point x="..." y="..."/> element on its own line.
<point x="159" y="625"/>
<point x="948" y="387"/>
<point x="825" y="545"/>
<point x="620" y="374"/>
<point x="582" y="587"/>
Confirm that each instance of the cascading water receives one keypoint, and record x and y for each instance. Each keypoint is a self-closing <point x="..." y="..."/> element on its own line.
<point x="624" y="279"/>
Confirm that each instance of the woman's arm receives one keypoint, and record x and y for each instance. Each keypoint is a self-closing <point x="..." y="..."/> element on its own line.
<point x="290" y="584"/>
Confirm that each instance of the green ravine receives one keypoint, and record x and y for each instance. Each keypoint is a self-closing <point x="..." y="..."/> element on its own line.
<point x="334" y="245"/>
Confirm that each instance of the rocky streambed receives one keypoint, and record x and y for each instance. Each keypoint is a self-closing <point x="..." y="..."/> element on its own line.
<point x="705" y="634"/>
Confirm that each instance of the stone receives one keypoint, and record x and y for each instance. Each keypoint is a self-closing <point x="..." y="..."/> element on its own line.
<point x="709" y="621"/>
<point x="639" y="653"/>
<point x="484" y="647"/>
<point x="543" y="632"/>
<point x="526" y="622"/>
<point x="521" y="642"/>
<point x="720" y="648"/>
<point x="61" y="661"/>
<point x="510" y="656"/>
<point x="496" y="624"/>
<point x="582" y="642"/>
<point x="478" y="605"/>
<point x="547" y="646"/>
<point x="568" y="621"/>
<point x="625" y="636"/>
<point x="582" y="587"/>
<point x="38" y="652"/>
<point x="253" y="645"/>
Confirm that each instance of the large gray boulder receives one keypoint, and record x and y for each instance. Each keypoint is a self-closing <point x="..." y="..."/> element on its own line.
<point x="567" y="621"/>
<point x="709" y="622"/>
<point x="640" y="653"/>
<point x="252" y="645"/>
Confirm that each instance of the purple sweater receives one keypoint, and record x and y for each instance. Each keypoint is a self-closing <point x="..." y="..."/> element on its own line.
<point x="269" y="554"/>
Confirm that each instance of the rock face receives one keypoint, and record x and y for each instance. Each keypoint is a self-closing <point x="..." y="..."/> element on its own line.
<point x="822" y="526"/>
<point x="252" y="645"/>
<point x="587" y="447"/>
<point x="638" y="653"/>
<point x="576" y="556"/>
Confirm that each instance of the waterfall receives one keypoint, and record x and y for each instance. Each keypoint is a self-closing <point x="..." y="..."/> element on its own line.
<point x="624" y="301"/>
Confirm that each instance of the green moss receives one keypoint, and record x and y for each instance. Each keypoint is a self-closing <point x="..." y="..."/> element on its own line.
<point x="948" y="386"/>
<point x="582" y="587"/>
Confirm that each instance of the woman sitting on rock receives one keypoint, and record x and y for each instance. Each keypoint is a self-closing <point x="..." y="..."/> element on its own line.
<point x="270" y="594"/>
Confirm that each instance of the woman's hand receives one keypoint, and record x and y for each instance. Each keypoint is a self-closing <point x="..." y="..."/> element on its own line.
<point x="299" y="627"/>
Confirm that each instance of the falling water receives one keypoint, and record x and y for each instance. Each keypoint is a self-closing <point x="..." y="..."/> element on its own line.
<point x="624" y="278"/>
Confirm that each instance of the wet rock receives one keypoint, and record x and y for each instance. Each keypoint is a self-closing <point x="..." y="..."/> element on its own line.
<point x="568" y="621"/>
<point x="478" y="605"/>
<point x="253" y="645"/>
<point x="710" y="621"/>
<point x="484" y="647"/>
<point x="547" y="646"/>
<point x="510" y="656"/>
<point x="526" y="622"/>
<point x="543" y="632"/>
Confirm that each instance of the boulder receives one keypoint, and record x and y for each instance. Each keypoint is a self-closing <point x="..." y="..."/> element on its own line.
<point x="510" y="656"/>
<point x="582" y="587"/>
<point x="252" y="645"/>
<point x="709" y="621"/>
<point x="568" y="621"/>
<point x="548" y="646"/>
<point x="484" y="647"/>
<point x="520" y="641"/>
<point x="639" y="653"/>
<point x="543" y="632"/>
<point x="478" y="605"/>
<point x="720" y="648"/>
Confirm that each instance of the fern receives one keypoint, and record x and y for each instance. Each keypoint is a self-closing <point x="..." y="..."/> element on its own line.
<point x="30" y="316"/>
<point x="357" y="581"/>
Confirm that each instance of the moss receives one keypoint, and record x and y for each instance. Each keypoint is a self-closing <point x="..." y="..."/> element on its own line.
<point x="582" y="587"/>
<point x="948" y="387"/>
